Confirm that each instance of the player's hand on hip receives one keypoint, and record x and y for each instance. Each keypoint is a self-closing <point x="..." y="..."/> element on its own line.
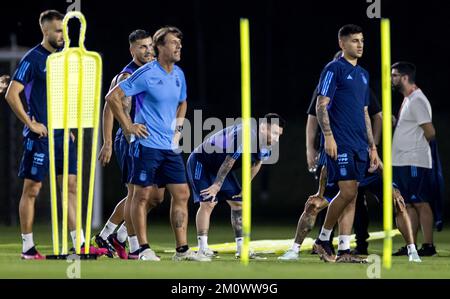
<point x="210" y="192"/>
<point x="331" y="147"/>
<point x="139" y="130"/>
<point x="38" y="128"/>
<point x="105" y="154"/>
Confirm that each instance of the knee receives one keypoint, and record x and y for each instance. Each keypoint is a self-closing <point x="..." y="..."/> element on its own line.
<point x="208" y="206"/>
<point x="314" y="205"/>
<point x="182" y="196"/>
<point x="31" y="191"/>
<point x="140" y="197"/>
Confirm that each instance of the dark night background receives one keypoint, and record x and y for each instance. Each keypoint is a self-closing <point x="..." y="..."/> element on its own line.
<point x="291" y="41"/>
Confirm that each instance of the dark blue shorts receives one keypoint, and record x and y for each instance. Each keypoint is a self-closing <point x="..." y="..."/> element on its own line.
<point x="35" y="161"/>
<point x="155" y="166"/>
<point x="200" y="178"/>
<point x="124" y="159"/>
<point x="350" y="165"/>
<point x="413" y="183"/>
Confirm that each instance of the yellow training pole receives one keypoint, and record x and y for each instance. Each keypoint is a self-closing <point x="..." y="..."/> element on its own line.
<point x="51" y="155"/>
<point x="95" y="129"/>
<point x="246" y="139"/>
<point x="387" y="140"/>
<point x="79" y="154"/>
<point x="65" y="179"/>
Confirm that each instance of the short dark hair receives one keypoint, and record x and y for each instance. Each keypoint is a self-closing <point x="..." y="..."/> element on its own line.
<point x="160" y="35"/>
<point x="406" y="68"/>
<point x="50" y="15"/>
<point x="275" y="118"/>
<point x="348" y="30"/>
<point x="138" y="34"/>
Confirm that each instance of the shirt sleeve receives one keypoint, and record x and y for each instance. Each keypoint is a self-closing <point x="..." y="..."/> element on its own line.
<point x="420" y="111"/>
<point x="136" y="83"/>
<point x="312" y="106"/>
<point x="327" y="82"/>
<point x="24" y="73"/>
<point x="234" y="149"/>
<point x="183" y="94"/>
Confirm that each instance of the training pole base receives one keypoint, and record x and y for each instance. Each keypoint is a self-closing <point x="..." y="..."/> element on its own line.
<point x="71" y="256"/>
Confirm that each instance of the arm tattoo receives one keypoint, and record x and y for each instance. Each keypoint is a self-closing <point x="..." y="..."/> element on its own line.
<point x="369" y="129"/>
<point x="322" y="115"/>
<point x="126" y="101"/>
<point x="236" y="222"/>
<point x="224" y="170"/>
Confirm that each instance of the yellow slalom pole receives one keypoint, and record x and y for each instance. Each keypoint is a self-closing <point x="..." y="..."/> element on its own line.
<point x="79" y="152"/>
<point x="246" y="139"/>
<point x="65" y="179"/>
<point x="387" y="141"/>
<point x="95" y="130"/>
<point x="53" y="194"/>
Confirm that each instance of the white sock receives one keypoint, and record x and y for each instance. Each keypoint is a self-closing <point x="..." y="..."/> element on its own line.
<point x="295" y="247"/>
<point x="107" y="230"/>
<point x="134" y="243"/>
<point x="73" y="234"/>
<point x="344" y="242"/>
<point x="27" y="242"/>
<point x="122" y="233"/>
<point x="239" y="242"/>
<point x="325" y="234"/>
<point x="411" y="248"/>
<point x="202" y="242"/>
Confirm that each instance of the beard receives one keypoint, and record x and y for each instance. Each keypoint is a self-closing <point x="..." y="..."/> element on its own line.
<point x="55" y="44"/>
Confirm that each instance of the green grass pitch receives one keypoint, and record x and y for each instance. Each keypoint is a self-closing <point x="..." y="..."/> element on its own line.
<point x="161" y="238"/>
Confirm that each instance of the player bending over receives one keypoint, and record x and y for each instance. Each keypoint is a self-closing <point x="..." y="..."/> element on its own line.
<point x="210" y="174"/>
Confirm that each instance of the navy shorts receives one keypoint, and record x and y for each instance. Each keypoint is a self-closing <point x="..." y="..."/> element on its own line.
<point x="350" y="165"/>
<point x="124" y="159"/>
<point x="413" y="183"/>
<point x="35" y="161"/>
<point x="200" y="178"/>
<point x="155" y="166"/>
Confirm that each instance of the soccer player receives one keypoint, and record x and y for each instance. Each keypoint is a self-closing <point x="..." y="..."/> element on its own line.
<point x="372" y="183"/>
<point x="313" y="148"/>
<point x="210" y="173"/>
<point x="155" y="136"/>
<point x="342" y="112"/>
<point x="30" y="77"/>
<point x="4" y="79"/>
<point x="411" y="153"/>
<point x="141" y="50"/>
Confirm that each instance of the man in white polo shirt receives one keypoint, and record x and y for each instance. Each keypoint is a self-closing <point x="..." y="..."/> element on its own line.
<point x="411" y="154"/>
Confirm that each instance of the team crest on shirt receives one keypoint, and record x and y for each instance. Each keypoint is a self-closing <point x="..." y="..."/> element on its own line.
<point x="364" y="79"/>
<point x="143" y="176"/>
